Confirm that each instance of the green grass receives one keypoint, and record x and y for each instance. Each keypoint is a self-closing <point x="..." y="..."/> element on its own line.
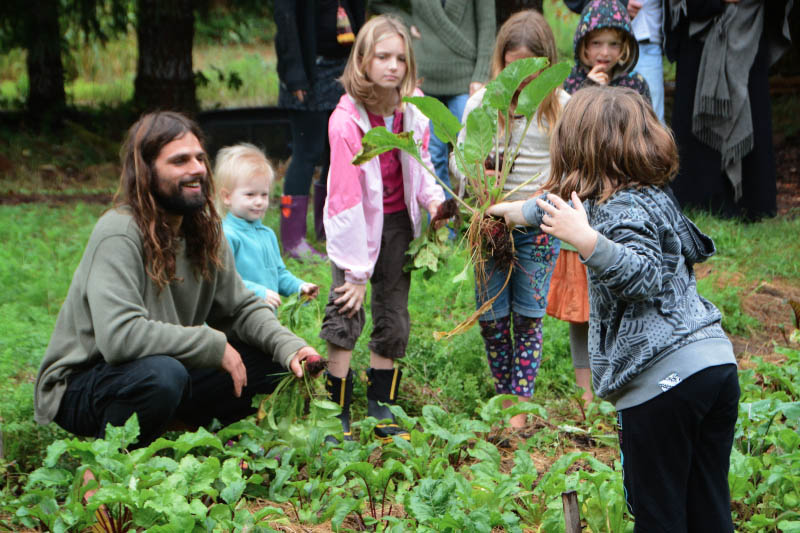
<point x="43" y="245"/>
<point x="563" y="23"/>
<point x="757" y="251"/>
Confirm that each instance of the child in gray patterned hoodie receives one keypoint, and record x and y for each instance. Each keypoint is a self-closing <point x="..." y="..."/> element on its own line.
<point x="657" y="349"/>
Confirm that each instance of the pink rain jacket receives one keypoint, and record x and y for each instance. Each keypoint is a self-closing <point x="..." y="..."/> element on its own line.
<point x="354" y="208"/>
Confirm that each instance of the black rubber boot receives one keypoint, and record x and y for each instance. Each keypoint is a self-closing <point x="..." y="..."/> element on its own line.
<point x="340" y="391"/>
<point x="382" y="387"/>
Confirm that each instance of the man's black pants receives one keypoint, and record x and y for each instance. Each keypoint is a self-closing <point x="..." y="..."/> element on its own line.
<point x="160" y="389"/>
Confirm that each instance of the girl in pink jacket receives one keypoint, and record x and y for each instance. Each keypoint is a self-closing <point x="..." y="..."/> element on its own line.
<point x="372" y="213"/>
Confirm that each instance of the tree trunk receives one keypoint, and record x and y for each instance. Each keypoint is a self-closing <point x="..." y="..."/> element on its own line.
<point x="46" y="98"/>
<point x="506" y="8"/>
<point x="164" y="75"/>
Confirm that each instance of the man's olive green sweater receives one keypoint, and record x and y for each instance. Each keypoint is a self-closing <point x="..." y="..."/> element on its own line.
<point x="456" y="44"/>
<point x="114" y="311"/>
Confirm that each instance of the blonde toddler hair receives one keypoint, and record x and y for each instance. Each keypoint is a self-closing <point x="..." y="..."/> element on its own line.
<point x="355" y="79"/>
<point x="236" y="162"/>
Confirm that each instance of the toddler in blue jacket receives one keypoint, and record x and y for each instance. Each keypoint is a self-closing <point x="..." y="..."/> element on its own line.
<point x="244" y="177"/>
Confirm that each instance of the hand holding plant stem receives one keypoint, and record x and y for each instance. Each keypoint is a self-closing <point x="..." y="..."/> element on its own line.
<point x="309" y="290"/>
<point x="310" y="357"/>
<point x="511" y="212"/>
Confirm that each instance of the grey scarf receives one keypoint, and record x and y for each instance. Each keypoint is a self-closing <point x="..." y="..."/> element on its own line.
<point x="721" y="117"/>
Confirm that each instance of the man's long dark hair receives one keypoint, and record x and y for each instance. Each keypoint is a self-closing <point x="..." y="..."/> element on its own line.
<point x="200" y="229"/>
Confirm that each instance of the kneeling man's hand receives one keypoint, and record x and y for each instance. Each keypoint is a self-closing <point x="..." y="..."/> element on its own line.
<point x="302" y="354"/>
<point x="233" y="365"/>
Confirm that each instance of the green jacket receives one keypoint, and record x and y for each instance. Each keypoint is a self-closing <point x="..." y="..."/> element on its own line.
<point x="114" y="311"/>
<point x="456" y="44"/>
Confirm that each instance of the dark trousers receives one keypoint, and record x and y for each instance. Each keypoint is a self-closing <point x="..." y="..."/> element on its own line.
<point x="159" y="389"/>
<point x="391" y="323"/>
<point x="309" y="148"/>
<point x="676" y="452"/>
<point x="700" y="181"/>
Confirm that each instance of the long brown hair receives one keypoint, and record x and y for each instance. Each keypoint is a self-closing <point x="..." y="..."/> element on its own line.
<point x="200" y="229"/>
<point x="529" y="29"/>
<point x="609" y="139"/>
<point x="355" y="79"/>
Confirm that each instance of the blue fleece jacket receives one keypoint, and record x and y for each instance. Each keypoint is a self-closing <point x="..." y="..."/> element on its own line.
<point x="258" y="257"/>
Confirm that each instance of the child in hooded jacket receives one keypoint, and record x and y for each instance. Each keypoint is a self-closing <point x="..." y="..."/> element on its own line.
<point x="657" y="348"/>
<point x="605" y="49"/>
<point x="372" y="213"/>
<point x="605" y="54"/>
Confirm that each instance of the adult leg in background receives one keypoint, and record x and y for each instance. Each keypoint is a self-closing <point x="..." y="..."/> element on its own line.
<point x="651" y="67"/>
<point x="309" y="137"/>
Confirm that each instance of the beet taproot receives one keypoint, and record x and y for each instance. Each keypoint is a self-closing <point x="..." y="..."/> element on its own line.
<point x="315" y="364"/>
<point x="497" y="244"/>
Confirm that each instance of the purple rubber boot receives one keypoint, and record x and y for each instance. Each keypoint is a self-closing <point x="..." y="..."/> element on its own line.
<point x="293" y="229"/>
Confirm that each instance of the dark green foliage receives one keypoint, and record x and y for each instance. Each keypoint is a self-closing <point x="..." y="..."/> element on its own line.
<point x="240" y="22"/>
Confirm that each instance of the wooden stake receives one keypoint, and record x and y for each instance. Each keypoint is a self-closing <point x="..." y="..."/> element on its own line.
<point x="572" y="512"/>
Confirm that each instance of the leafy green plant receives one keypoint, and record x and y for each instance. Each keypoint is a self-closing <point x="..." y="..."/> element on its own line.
<point x="140" y="487"/>
<point x="299" y="310"/>
<point x="511" y="93"/>
<point x="378" y="481"/>
<point x="428" y="251"/>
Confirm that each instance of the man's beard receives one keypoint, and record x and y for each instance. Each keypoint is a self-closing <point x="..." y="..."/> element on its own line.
<point x="174" y="202"/>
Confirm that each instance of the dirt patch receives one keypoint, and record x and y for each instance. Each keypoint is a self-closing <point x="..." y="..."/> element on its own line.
<point x="768" y="302"/>
<point x="787" y="163"/>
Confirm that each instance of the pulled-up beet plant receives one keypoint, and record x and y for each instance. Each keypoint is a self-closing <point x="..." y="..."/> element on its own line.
<point x="516" y="91"/>
<point x="429" y="251"/>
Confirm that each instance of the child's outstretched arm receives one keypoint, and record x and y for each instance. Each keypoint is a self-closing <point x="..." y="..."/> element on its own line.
<point x="568" y="222"/>
<point x="553" y="216"/>
<point x="511" y="212"/>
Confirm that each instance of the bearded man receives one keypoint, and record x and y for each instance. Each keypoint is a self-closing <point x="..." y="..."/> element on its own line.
<point x="157" y="321"/>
